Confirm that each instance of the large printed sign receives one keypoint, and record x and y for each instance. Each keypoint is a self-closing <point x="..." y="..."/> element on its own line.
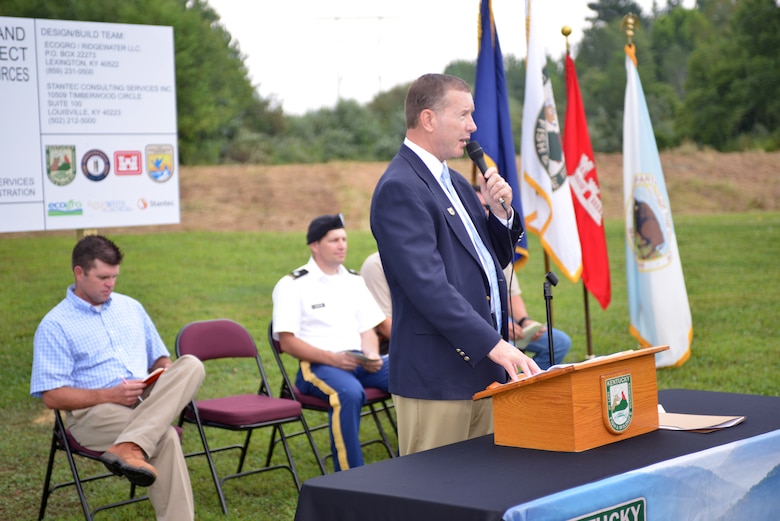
<point x="87" y="125"/>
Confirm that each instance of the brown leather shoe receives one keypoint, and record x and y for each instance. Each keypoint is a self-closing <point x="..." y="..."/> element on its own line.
<point x="128" y="459"/>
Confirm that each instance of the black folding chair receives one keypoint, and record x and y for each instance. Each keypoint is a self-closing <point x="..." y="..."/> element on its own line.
<point x="63" y="440"/>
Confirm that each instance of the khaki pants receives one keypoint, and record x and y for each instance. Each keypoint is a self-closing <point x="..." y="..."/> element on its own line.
<point x="149" y="426"/>
<point x="427" y="424"/>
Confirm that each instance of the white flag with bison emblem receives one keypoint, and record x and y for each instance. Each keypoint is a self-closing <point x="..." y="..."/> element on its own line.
<point x="657" y="298"/>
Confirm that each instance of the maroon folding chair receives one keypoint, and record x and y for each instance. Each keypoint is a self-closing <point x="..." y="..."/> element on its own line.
<point x="225" y="339"/>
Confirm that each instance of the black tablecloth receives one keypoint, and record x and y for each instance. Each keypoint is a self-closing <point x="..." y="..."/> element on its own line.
<point x="477" y="480"/>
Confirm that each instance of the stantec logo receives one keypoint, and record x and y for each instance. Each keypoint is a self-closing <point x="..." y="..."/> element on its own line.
<point x="144" y="203"/>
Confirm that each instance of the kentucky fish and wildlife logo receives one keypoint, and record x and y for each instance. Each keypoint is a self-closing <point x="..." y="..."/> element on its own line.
<point x="547" y="136"/>
<point x="620" y="403"/>
<point x="59" y="164"/>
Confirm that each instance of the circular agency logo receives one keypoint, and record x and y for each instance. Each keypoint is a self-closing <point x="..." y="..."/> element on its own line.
<point x="95" y="165"/>
<point x="547" y="137"/>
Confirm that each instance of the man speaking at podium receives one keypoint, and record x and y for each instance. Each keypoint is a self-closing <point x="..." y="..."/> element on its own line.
<point x="443" y="259"/>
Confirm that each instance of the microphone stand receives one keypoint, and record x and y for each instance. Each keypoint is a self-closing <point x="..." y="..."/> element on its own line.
<point x="549" y="280"/>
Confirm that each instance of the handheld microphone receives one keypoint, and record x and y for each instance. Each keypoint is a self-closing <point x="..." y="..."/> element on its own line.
<point x="474" y="151"/>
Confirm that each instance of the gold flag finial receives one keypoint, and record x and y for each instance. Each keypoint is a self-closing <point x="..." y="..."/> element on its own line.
<point x="630" y="22"/>
<point x="566" y="31"/>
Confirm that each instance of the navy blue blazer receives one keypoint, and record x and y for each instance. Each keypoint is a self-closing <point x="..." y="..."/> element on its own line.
<point x="442" y="322"/>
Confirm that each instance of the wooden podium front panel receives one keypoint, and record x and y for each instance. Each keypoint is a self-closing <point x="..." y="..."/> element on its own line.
<point x="537" y="417"/>
<point x="568" y="412"/>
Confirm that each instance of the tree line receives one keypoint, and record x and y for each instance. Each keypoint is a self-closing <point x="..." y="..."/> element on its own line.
<point x="711" y="76"/>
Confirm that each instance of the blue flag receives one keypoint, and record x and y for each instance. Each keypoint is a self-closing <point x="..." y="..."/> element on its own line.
<point x="494" y="126"/>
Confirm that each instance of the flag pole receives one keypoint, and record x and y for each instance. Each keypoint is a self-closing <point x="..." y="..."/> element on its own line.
<point x="566" y="31"/>
<point x="586" y="305"/>
<point x="546" y="257"/>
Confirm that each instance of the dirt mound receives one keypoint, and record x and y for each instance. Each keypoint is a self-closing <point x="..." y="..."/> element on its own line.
<point x="286" y="198"/>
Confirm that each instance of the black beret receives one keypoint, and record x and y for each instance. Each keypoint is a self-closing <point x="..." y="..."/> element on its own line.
<point x="322" y="225"/>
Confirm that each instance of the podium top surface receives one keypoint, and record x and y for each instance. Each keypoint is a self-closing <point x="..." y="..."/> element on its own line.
<point x="562" y="369"/>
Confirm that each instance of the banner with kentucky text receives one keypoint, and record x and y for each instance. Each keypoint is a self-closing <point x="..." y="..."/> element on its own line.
<point x="546" y="196"/>
<point x="657" y="297"/>
<point x="491" y="114"/>
<point x="585" y="191"/>
<point x="739" y="480"/>
<point x="88" y="133"/>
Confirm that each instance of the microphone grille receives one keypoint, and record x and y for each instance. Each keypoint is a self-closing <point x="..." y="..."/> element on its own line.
<point x="474" y="150"/>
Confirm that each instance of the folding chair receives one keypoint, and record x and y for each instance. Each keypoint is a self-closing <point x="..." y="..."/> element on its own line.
<point x="226" y="339"/>
<point x="62" y="440"/>
<point x="376" y="402"/>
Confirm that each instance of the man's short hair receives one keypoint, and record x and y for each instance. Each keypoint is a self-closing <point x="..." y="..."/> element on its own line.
<point x="322" y="225"/>
<point x="91" y="247"/>
<point x="429" y="92"/>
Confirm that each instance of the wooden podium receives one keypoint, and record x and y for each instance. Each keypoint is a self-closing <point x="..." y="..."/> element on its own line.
<point x="575" y="407"/>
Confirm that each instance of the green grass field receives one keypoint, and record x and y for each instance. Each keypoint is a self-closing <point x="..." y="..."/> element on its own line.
<point x="730" y="274"/>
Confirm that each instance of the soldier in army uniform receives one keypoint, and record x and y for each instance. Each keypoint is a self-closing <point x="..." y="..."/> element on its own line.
<point x="325" y="316"/>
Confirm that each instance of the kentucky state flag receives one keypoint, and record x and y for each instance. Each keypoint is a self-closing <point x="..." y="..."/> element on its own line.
<point x="546" y="196"/>
<point x="491" y="114"/>
<point x="586" y="192"/>
<point x="657" y="298"/>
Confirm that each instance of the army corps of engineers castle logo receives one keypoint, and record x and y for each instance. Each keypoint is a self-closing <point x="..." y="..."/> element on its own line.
<point x="619" y="406"/>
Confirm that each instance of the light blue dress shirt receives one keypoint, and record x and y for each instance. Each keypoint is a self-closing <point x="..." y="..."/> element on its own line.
<point x="86" y="347"/>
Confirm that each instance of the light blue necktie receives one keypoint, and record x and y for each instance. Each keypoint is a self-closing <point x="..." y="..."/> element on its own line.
<point x="484" y="255"/>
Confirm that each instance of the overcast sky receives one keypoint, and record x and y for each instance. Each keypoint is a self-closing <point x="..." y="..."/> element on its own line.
<point x="307" y="54"/>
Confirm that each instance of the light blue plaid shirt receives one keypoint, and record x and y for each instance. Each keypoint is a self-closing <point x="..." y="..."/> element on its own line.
<point x="77" y="345"/>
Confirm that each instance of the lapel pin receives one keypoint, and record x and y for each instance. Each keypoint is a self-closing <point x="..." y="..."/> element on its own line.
<point x="451" y="210"/>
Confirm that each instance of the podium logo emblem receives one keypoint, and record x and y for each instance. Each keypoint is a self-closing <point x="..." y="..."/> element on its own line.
<point x="619" y="402"/>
